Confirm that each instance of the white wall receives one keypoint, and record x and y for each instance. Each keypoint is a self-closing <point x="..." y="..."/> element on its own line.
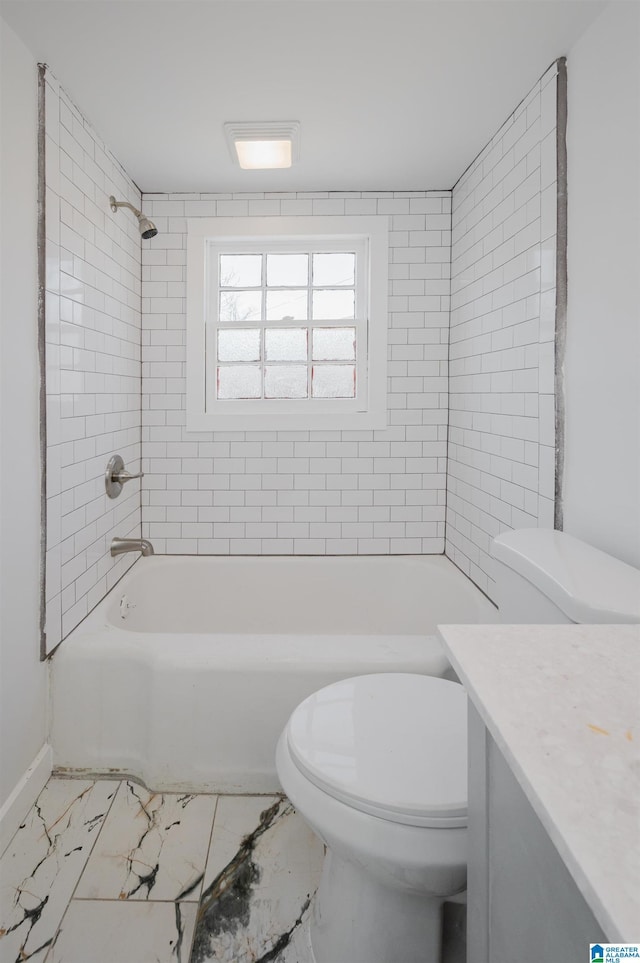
<point x="302" y="492"/>
<point x="93" y="277"/>
<point x="22" y="677"/>
<point x="602" y="369"/>
<point x="500" y="472"/>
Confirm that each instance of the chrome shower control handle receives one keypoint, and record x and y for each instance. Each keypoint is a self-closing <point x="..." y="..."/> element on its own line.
<point x="116" y="475"/>
<point x="125" y="476"/>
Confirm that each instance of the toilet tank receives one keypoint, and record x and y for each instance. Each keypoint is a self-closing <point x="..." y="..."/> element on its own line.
<point x="544" y="576"/>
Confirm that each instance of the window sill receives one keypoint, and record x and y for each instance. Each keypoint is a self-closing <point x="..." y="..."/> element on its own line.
<point x="270" y="421"/>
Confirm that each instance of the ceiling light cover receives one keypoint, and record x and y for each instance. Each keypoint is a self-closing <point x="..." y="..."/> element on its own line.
<point x="263" y="145"/>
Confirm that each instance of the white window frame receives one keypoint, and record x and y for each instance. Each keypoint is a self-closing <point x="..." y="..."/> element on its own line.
<point x="205" y="239"/>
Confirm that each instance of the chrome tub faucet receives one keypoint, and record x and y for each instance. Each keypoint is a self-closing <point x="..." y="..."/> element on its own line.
<point x="121" y="545"/>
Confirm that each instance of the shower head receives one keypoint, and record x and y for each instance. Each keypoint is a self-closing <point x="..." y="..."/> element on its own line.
<point x="147" y="227"/>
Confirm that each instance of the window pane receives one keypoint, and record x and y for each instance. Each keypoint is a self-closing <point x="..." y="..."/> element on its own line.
<point x="240" y="270"/>
<point x="334" y="344"/>
<point x="334" y="269"/>
<point x="287" y="305"/>
<point x="333" y="381"/>
<point x="285" y="344"/>
<point x="285" y="381"/>
<point x="287" y="270"/>
<point x="240" y="305"/>
<point x="240" y="381"/>
<point x="239" y="344"/>
<point x="333" y="305"/>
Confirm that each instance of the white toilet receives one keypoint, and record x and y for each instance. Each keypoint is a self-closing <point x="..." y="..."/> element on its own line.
<point x="377" y="765"/>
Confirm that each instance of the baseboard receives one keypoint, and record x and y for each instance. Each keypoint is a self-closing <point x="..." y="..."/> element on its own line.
<point x="24" y="795"/>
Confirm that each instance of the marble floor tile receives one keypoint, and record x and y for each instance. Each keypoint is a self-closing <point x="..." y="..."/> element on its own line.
<point x="144" y="856"/>
<point x="264" y="866"/>
<point x="236" y="818"/>
<point x="153" y="846"/>
<point x="43" y="862"/>
<point x="298" y="948"/>
<point x="105" y="931"/>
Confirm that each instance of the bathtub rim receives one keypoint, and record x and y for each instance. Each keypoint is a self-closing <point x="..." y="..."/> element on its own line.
<point x="99" y="616"/>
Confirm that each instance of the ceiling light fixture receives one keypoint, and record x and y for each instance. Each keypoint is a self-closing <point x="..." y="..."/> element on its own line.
<point x="265" y="145"/>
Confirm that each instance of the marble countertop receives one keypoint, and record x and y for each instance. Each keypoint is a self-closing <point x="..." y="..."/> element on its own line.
<point x="562" y="702"/>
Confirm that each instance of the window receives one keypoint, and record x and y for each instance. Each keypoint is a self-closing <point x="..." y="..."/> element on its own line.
<point x="286" y="323"/>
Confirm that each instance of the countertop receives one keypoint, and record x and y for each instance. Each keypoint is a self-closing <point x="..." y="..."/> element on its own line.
<point x="562" y="702"/>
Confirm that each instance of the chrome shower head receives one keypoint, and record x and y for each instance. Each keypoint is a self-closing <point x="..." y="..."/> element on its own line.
<point x="147" y="227"/>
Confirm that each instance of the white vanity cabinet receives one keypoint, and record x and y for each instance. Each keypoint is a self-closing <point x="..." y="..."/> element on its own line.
<point x="523" y="905"/>
<point x="554" y="788"/>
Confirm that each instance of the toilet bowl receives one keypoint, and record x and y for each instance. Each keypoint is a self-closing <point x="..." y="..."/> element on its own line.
<point x="377" y="765"/>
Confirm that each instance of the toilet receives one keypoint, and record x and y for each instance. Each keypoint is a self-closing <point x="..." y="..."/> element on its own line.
<point x="377" y="765"/>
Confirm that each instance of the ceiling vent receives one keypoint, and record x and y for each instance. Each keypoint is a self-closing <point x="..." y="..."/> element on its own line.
<point x="263" y="145"/>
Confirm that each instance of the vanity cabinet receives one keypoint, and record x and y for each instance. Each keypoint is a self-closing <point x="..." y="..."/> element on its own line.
<point x="554" y="788"/>
<point x="523" y="906"/>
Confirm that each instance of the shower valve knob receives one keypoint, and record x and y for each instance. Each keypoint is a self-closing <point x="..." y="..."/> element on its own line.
<point x="124" y="475"/>
<point x="116" y="475"/>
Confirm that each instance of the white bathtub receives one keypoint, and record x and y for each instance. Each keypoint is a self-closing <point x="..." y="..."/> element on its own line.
<point x="187" y="671"/>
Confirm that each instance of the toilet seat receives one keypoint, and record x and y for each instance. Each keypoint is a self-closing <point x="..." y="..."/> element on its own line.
<point x="393" y="745"/>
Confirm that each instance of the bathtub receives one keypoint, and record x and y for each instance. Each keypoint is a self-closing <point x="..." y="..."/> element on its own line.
<point x="185" y="674"/>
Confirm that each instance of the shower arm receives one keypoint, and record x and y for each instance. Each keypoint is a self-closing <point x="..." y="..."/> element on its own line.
<point x="116" y="204"/>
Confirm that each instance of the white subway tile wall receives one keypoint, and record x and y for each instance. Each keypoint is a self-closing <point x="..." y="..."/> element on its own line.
<point x="301" y="492"/>
<point x="92" y="315"/>
<point x="503" y="298"/>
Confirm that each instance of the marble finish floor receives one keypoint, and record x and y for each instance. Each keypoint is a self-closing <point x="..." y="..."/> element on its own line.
<point x="106" y="871"/>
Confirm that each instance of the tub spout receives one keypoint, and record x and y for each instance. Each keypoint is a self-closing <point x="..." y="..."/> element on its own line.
<point x="121" y="545"/>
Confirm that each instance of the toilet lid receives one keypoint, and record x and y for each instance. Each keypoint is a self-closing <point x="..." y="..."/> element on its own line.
<point x="392" y="744"/>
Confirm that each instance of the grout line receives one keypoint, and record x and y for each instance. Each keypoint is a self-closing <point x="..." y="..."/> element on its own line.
<point x="448" y="423"/>
<point x="561" y="288"/>
<point x="42" y="353"/>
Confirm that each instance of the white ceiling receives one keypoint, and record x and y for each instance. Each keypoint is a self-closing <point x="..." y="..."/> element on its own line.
<point x="390" y="94"/>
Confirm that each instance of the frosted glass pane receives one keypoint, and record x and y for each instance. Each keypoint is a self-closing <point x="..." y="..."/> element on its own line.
<point x="333" y="381"/>
<point x="286" y="305"/>
<point x="334" y="269"/>
<point x="334" y="344"/>
<point x="239" y="381"/>
<point x="239" y="344"/>
<point x="285" y="381"/>
<point x="240" y="305"/>
<point x="240" y="270"/>
<point x="333" y="305"/>
<point x="285" y="344"/>
<point x="287" y="270"/>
